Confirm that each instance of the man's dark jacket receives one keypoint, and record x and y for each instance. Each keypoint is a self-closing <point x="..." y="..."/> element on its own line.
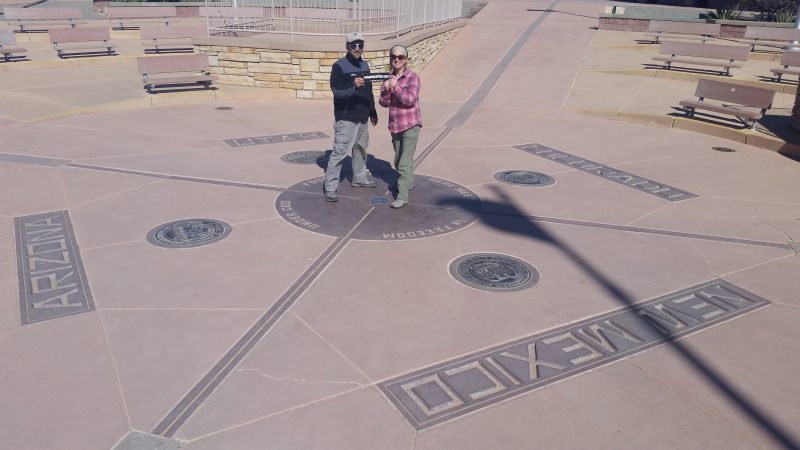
<point x="349" y="103"/>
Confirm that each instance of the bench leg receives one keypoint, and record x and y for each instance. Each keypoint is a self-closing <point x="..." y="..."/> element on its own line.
<point x="778" y="78"/>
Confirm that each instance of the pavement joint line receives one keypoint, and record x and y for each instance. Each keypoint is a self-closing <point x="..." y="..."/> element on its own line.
<point x="468" y="108"/>
<point x="277" y="413"/>
<point x="265" y="187"/>
<point x="208" y="384"/>
<point x="332" y="347"/>
<point x="114" y="194"/>
<point x="655" y="231"/>
<point x="691" y="401"/>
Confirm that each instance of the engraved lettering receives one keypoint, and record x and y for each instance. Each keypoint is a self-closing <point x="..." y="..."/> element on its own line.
<point x="664" y="318"/>
<point x="598" y="334"/>
<point x="43" y="235"/>
<point x="701" y="304"/>
<point x="52" y="282"/>
<point x="593" y="354"/>
<point x="34" y="262"/>
<point x="533" y="363"/>
<point x="454" y="402"/>
<point x="59" y="301"/>
<point x="497" y="385"/>
<point x="47" y="247"/>
<point x="503" y="370"/>
<point x="734" y="301"/>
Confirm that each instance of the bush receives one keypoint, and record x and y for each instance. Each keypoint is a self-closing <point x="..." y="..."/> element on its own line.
<point x="775" y="10"/>
<point x="728" y="11"/>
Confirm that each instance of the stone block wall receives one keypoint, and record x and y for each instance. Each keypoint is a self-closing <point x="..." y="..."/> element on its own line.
<point x="306" y="72"/>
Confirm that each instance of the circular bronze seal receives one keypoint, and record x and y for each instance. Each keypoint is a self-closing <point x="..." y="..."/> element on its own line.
<point x="188" y="233"/>
<point x="524" y="178"/>
<point x="494" y="272"/>
<point x="306" y="157"/>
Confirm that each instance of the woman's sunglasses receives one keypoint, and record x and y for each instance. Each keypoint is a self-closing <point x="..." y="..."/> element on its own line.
<point x="398" y="57"/>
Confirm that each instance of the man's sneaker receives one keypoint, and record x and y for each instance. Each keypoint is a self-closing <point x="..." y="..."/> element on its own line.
<point x="331" y="197"/>
<point x="398" y="204"/>
<point x="366" y="184"/>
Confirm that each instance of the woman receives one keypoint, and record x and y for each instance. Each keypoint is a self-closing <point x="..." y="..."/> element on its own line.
<point x="400" y="93"/>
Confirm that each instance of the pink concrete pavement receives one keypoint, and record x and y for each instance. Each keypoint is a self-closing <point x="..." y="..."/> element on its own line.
<point x="360" y="312"/>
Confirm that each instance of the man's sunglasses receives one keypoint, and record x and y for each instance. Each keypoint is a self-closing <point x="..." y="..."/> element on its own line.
<point x="355" y="45"/>
<point x="398" y="57"/>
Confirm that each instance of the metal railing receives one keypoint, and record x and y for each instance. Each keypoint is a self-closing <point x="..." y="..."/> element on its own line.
<point x="327" y="17"/>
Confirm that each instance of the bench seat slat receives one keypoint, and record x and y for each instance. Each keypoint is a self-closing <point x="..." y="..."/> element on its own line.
<point x="697" y="62"/>
<point x="786" y="71"/>
<point x="12" y="50"/>
<point x="680" y="36"/>
<point x="754" y="115"/>
<point x="179" y="80"/>
<point x="764" y="42"/>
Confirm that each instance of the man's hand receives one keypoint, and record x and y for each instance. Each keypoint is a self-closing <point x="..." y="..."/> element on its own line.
<point x="358" y="82"/>
<point x="373" y="120"/>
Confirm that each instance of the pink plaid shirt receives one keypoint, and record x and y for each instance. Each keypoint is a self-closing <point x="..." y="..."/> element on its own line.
<point x="403" y="103"/>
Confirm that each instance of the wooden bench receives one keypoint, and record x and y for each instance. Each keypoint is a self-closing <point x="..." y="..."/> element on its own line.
<point x="124" y="17"/>
<point x="82" y="41"/>
<point x="791" y="65"/>
<point x="174" y="70"/>
<point x="769" y="37"/>
<point x="7" y="49"/>
<point x="709" y="55"/>
<point x="682" y="30"/>
<point x="747" y="103"/>
<point x="162" y="38"/>
<point x="42" y="19"/>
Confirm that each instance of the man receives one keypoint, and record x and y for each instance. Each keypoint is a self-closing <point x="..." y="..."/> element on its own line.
<point x="353" y="105"/>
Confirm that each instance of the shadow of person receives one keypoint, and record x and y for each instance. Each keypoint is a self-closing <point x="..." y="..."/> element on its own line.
<point x="380" y="169"/>
<point x="505" y="216"/>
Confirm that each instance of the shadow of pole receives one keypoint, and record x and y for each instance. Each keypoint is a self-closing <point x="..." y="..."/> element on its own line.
<point x="508" y="218"/>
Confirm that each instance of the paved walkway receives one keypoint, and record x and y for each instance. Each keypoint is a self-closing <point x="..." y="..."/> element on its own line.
<point x="650" y="297"/>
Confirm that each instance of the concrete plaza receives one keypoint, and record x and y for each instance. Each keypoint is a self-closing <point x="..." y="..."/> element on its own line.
<point x="656" y="300"/>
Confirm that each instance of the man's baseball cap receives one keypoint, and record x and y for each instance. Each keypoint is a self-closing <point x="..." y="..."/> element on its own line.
<point x="354" y="36"/>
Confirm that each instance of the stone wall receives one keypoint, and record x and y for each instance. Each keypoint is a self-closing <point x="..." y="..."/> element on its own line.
<point x="303" y="69"/>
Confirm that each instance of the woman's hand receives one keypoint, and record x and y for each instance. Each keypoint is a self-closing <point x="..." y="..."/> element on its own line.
<point x="392" y="82"/>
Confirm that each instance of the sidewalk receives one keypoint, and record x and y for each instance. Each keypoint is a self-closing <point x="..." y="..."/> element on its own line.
<point x="644" y="299"/>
